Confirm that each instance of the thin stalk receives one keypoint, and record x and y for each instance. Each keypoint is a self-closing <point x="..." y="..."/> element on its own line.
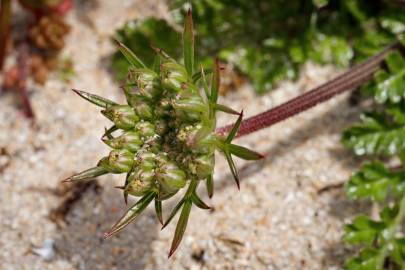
<point x="5" y="15"/>
<point x="350" y="80"/>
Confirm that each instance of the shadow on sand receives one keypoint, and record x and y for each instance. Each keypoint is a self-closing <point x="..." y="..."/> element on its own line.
<point x="81" y="241"/>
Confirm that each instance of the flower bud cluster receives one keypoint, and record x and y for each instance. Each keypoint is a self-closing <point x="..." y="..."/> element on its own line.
<point x="164" y="138"/>
<point x="157" y="146"/>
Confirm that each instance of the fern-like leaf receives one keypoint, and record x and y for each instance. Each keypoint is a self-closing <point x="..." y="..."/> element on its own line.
<point x="391" y="84"/>
<point x="376" y="134"/>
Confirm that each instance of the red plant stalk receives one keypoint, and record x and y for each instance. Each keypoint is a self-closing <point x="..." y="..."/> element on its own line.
<point x="5" y="15"/>
<point x="350" y="80"/>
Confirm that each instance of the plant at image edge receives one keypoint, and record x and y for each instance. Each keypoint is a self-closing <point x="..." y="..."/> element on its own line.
<point x="380" y="135"/>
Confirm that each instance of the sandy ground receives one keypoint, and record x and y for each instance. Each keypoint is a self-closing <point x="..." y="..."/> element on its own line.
<point x="278" y="220"/>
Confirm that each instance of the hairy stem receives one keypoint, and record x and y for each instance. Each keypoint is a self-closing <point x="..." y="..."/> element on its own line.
<point x="349" y="80"/>
<point x="5" y="15"/>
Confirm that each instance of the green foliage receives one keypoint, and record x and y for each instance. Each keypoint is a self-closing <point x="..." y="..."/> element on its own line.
<point x="381" y="133"/>
<point x="378" y="133"/>
<point x="390" y="84"/>
<point x="138" y="36"/>
<point x="367" y="260"/>
<point x="281" y="37"/>
<point x="378" y="238"/>
<point x="374" y="181"/>
<point x="363" y="230"/>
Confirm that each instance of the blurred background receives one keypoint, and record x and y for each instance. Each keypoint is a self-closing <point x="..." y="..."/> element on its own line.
<point x="291" y="208"/>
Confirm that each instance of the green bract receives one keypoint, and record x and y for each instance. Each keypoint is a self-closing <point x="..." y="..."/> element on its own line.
<point x="164" y="138"/>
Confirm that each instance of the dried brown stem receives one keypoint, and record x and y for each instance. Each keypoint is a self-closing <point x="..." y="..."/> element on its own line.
<point x="21" y="86"/>
<point x="349" y="80"/>
<point x="5" y="15"/>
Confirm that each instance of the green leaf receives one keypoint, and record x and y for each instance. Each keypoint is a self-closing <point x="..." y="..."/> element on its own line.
<point x="181" y="226"/>
<point x="373" y="180"/>
<point x="108" y="132"/>
<point x="131" y="214"/>
<point x="125" y="192"/>
<point x="243" y="152"/>
<point x="174" y="212"/>
<point x="205" y="84"/>
<point x="210" y="186"/>
<point x="331" y="49"/>
<point x="188" y="43"/>
<point x="234" y="129"/>
<point x="320" y="3"/>
<point x="215" y="82"/>
<point x="158" y="210"/>
<point x="201" y="74"/>
<point x="363" y="230"/>
<point x="87" y="174"/>
<point x="367" y="260"/>
<point x="198" y="202"/>
<point x="398" y="253"/>
<point x="394" y="24"/>
<point x="97" y="100"/>
<point x="370" y="44"/>
<point x="225" y="109"/>
<point x="232" y="167"/>
<point x="375" y="135"/>
<point x="401" y="39"/>
<point x="137" y="35"/>
<point x="156" y="64"/>
<point x="163" y="54"/>
<point x="388" y="214"/>
<point x="390" y="86"/>
<point x="397" y="112"/>
<point x="130" y="56"/>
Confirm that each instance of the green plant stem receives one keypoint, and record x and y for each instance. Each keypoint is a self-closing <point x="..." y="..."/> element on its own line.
<point x="5" y="14"/>
<point x="191" y="188"/>
<point x="391" y="233"/>
<point x="350" y="80"/>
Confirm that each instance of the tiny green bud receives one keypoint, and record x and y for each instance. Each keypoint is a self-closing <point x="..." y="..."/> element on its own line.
<point x="186" y="116"/>
<point x="129" y="140"/>
<point x="140" y="182"/>
<point x="203" y="166"/>
<point x="161" y="126"/>
<point x="154" y="145"/>
<point x="147" y="82"/>
<point x="174" y="75"/>
<point x="118" y="161"/>
<point x="143" y="109"/>
<point x="146" y="129"/>
<point x="164" y="194"/>
<point x="187" y="134"/>
<point x="123" y="116"/>
<point x="191" y="104"/>
<point x="171" y="177"/>
<point x="146" y="160"/>
<point x="162" y="158"/>
<point x="163" y="108"/>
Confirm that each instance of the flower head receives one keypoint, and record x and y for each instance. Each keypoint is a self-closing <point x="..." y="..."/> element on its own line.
<point x="164" y="137"/>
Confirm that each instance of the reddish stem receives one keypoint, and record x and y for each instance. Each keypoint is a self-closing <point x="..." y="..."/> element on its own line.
<point x="349" y="80"/>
